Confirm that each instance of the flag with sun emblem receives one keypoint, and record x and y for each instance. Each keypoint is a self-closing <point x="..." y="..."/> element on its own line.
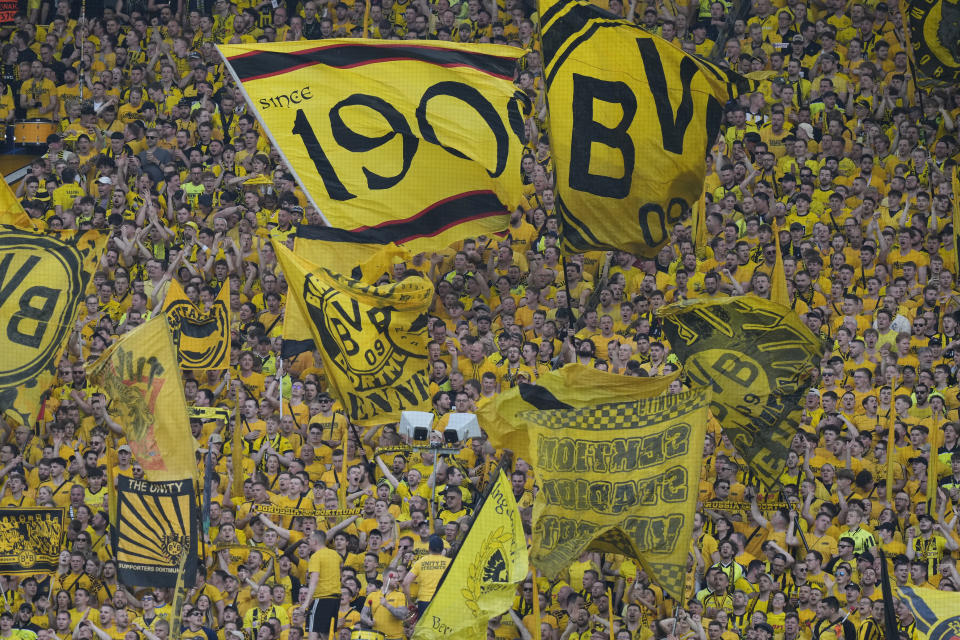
<point x="482" y="580"/>
<point x="157" y="526"/>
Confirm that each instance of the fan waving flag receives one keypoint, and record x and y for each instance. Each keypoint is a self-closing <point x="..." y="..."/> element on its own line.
<point x="629" y="131"/>
<point x="419" y="142"/>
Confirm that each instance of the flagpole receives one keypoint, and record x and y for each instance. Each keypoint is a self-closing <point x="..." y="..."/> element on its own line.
<point x="610" y="611"/>
<point x="536" y="605"/>
<point x="237" y="453"/>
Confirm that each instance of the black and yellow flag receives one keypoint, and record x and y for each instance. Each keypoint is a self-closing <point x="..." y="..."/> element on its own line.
<point x="933" y="37"/>
<point x="629" y="131"/>
<point x="31" y="539"/>
<point x="156" y="526"/>
<point x="140" y="376"/>
<point x="42" y="284"/>
<point x="202" y="337"/>
<point x="481" y="582"/>
<point x="619" y="477"/>
<point x="362" y="254"/>
<point x="373" y="339"/>
<point x="758" y="358"/>
<point x="418" y="141"/>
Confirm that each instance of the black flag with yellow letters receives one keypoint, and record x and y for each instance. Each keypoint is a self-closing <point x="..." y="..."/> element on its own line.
<point x="758" y="358"/>
<point x="933" y="35"/>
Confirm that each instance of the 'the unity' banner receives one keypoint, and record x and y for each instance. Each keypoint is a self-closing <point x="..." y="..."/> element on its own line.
<point x="622" y="478"/>
<point x="31" y="539"/>
<point x="156" y="525"/>
<point x="757" y="357"/>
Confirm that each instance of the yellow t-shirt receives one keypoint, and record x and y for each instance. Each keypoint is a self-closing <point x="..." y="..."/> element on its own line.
<point x="429" y="569"/>
<point x="326" y="563"/>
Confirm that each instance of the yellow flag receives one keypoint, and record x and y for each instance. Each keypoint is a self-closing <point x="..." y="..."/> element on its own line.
<point x="417" y="141"/>
<point x="935" y="612"/>
<point x="141" y="379"/>
<point x="778" y="278"/>
<point x="629" y="131"/>
<point x="360" y="254"/>
<point x="619" y="477"/>
<point x="11" y="211"/>
<point x="758" y="358"/>
<point x="373" y="339"/>
<point x="572" y="386"/>
<point x="481" y="582"/>
<point x="933" y="41"/>
<point x="42" y="283"/>
<point x="202" y="338"/>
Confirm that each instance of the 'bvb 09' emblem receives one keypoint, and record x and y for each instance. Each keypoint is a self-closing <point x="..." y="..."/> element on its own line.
<point x="27" y="558"/>
<point x="173" y="547"/>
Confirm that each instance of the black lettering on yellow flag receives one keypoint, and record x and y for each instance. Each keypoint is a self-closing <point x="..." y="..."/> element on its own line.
<point x="202" y="337"/>
<point x="42" y="283"/>
<point x="373" y="339"/>
<point x="418" y="141"/>
<point x="757" y="357"/>
<point x="629" y="131"/>
<point x="933" y="35"/>
<point x="156" y="525"/>
<point x="31" y="539"/>
<point x="620" y="477"/>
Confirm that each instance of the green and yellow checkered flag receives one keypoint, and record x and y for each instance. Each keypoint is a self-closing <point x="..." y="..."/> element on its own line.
<point x="619" y="477"/>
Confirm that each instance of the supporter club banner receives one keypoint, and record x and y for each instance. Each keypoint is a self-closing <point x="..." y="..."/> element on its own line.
<point x="140" y="376"/>
<point x="758" y="358"/>
<point x="620" y="477"/>
<point x="420" y="142"/>
<point x="31" y="539"/>
<point x="629" y="131"/>
<point x="156" y="527"/>
<point x="202" y="338"/>
<point x="481" y="582"/>
<point x="43" y="280"/>
<point x="373" y="339"/>
<point x="933" y="34"/>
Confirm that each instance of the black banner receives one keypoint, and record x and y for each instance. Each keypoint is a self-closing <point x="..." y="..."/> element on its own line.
<point x="31" y="539"/>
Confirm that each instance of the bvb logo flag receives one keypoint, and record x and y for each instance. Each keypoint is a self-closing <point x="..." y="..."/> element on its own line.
<point x="619" y="477"/>
<point x="572" y="386"/>
<point x="418" y="142"/>
<point x="202" y="337"/>
<point x="362" y="254"/>
<point x="373" y="339"/>
<point x="630" y="131"/>
<point x="757" y="357"/>
<point x="31" y="539"/>
<point x="156" y="526"/>
<point x="482" y="580"/>
<point x="140" y="376"/>
<point x="42" y="283"/>
<point x="933" y="35"/>
<point x="935" y="612"/>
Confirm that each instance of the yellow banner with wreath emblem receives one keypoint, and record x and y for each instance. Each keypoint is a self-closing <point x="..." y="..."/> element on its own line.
<point x="482" y="580"/>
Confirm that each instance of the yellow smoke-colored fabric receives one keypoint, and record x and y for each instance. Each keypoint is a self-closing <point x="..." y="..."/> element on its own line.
<point x="778" y="278"/>
<point x="419" y="141"/>
<point x="619" y="477"/>
<point x="573" y="385"/>
<point x="935" y="612"/>
<point x="11" y="211"/>
<point x="357" y="253"/>
<point x="629" y="132"/>
<point x="482" y="580"/>
<point x="933" y="40"/>
<point x="141" y="378"/>
<point x="373" y="339"/>
<point x="758" y="357"/>
<point x="202" y="338"/>
<point x="43" y="279"/>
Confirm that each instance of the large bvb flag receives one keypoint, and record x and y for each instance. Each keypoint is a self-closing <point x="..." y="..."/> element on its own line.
<point x="202" y="337"/>
<point x="631" y="119"/>
<point x="373" y="339"/>
<point x="420" y="142"/>
<point x="758" y="358"/>
<point x="31" y="539"/>
<point x="42" y="283"/>
<point x="933" y="35"/>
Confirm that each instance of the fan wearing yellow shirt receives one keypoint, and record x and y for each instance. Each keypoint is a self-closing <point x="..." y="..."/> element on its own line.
<point x="427" y="572"/>
<point x="385" y="610"/>
<point x="323" y="590"/>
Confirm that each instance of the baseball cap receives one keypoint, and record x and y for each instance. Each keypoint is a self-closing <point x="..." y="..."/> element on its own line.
<point x="124" y="447"/>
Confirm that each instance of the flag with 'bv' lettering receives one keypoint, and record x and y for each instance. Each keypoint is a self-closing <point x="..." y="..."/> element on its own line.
<point x="140" y="377"/>
<point x="31" y="539"/>
<point x="373" y="339"/>
<point x="619" y="477"/>
<point x="482" y="580"/>
<point x="758" y="358"/>
<point x="42" y="282"/>
<point x="629" y="130"/>
<point x="419" y="142"/>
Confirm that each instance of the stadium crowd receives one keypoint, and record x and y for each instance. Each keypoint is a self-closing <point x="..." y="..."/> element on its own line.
<point x="840" y="154"/>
